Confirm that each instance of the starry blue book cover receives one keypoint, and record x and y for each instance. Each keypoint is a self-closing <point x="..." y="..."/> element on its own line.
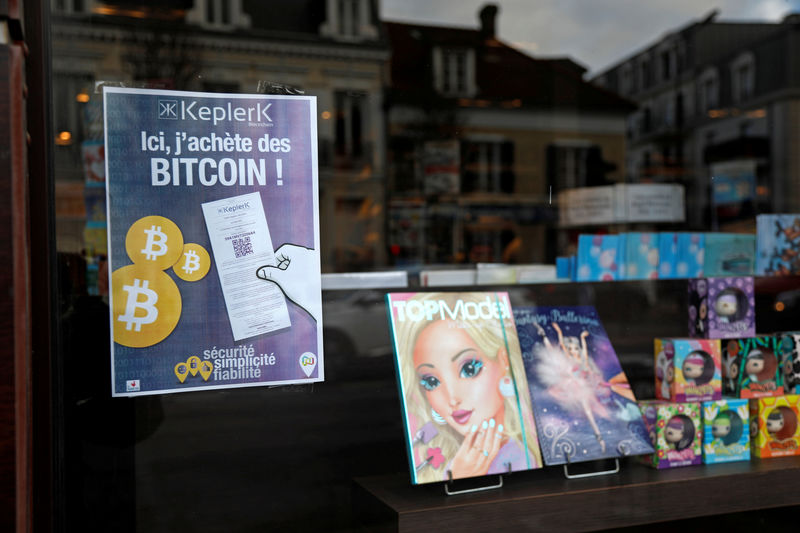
<point x="583" y="405"/>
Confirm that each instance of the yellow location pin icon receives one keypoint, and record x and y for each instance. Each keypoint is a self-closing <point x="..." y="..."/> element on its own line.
<point x="206" y="367"/>
<point x="181" y="370"/>
<point x="194" y="364"/>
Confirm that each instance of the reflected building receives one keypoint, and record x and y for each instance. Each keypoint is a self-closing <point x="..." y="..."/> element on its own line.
<point x="482" y="137"/>
<point x="718" y="106"/>
<point x="332" y="49"/>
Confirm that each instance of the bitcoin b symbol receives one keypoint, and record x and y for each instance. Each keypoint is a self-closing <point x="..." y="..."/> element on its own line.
<point x="139" y="287"/>
<point x="155" y="237"/>
<point x="154" y="241"/>
<point x="146" y="305"/>
<point x="192" y="262"/>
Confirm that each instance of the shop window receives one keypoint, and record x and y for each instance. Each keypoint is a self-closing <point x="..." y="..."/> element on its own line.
<point x="577" y="163"/>
<point x="69" y="7"/>
<point x="627" y="79"/>
<point x="743" y="74"/>
<point x="218" y="14"/>
<point x="667" y="65"/>
<point x="487" y="166"/>
<point x="645" y="73"/>
<point x="349" y="20"/>
<point x="351" y="118"/>
<point x="708" y="90"/>
<point x="454" y="71"/>
<point x="647" y="120"/>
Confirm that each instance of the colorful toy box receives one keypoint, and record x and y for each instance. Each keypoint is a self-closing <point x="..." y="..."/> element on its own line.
<point x="688" y="370"/>
<point x="599" y="258"/>
<point x="789" y="347"/>
<point x="674" y="430"/>
<point x="777" y="245"/>
<point x="641" y="255"/>
<point x="691" y="255"/>
<point x="726" y="431"/>
<point x="773" y="426"/>
<point x="722" y="308"/>
<point x="563" y="268"/>
<point x="730" y="254"/>
<point x="751" y="367"/>
<point x="668" y="255"/>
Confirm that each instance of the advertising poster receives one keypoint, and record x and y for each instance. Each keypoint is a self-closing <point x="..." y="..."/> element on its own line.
<point x="213" y="240"/>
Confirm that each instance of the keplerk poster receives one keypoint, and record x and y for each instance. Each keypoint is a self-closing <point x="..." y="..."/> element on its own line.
<point x="465" y="399"/>
<point x="583" y="405"/>
<point x="213" y="240"/>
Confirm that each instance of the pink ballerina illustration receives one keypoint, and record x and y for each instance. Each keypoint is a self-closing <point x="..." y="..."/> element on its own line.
<point x="575" y="381"/>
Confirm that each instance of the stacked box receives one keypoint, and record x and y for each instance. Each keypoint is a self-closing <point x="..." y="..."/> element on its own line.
<point x="777" y="245"/>
<point x="688" y="370"/>
<point x="563" y="270"/>
<point x="668" y="255"/>
<point x="726" y="431"/>
<point x="773" y="426"/>
<point x="598" y="258"/>
<point x="691" y="255"/>
<point x="789" y="348"/>
<point x="752" y="367"/>
<point x="729" y="254"/>
<point x="674" y="430"/>
<point x="722" y="308"/>
<point x="641" y="255"/>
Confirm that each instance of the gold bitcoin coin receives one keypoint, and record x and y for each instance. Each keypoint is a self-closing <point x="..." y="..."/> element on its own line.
<point x="193" y="264"/>
<point x="154" y="241"/>
<point x="146" y="305"/>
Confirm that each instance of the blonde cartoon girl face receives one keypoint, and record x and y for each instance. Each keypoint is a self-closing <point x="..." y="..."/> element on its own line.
<point x="458" y="379"/>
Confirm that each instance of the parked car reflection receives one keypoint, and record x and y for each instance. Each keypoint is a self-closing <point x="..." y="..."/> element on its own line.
<point x="356" y="336"/>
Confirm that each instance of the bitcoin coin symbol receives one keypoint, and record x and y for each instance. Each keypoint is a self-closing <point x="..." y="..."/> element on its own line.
<point x="154" y="241"/>
<point x="192" y="262"/>
<point x="146" y="305"/>
<point x="155" y="237"/>
<point x="195" y="263"/>
<point x="130" y="319"/>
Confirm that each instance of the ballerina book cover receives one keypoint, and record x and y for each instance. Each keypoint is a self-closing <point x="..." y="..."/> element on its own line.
<point x="583" y="404"/>
<point x="466" y="407"/>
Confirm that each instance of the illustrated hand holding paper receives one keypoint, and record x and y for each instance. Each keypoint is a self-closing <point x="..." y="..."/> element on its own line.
<point x="240" y="239"/>
<point x="293" y="266"/>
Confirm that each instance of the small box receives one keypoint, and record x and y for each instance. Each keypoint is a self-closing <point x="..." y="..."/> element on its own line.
<point x="674" y="430"/>
<point x="730" y="254"/>
<point x="563" y="270"/>
<point x="789" y="349"/>
<point x="691" y="255"/>
<point x="726" y="431"/>
<point x="668" y="255"/>
<point x="598" y="258"/>
<point x="751" y="367"/>
<point x="688" y="370"/>
<point x="773" y="426"/>
<point x="722" y="308"/>
<point x="777" y="245"/>
<point x="641" y="255"/>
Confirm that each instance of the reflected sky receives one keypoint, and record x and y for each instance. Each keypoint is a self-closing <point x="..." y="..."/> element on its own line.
<point x="595" y="33"/>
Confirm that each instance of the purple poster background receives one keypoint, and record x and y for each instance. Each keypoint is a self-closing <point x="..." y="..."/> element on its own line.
<point x="147" y="125"/>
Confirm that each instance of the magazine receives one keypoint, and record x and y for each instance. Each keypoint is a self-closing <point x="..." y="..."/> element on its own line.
<point x="466" y="407"/>
<point x="583" y="405"/>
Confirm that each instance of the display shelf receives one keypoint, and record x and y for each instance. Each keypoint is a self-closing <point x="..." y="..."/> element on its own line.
<point x="544" y="500"/>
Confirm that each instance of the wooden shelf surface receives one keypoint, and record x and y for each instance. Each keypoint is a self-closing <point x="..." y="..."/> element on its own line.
<point x="544" y="500"/>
